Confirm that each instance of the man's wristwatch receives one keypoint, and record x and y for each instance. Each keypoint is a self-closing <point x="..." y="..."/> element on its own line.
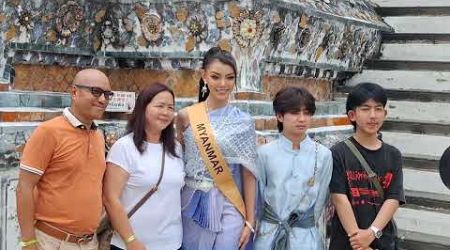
<point x="376" y="232"/>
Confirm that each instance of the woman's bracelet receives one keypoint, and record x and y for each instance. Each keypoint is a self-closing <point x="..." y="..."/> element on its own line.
<point x="28" y="243"/>
<point x="130" y="239"/>
<point x="249" y="225"/>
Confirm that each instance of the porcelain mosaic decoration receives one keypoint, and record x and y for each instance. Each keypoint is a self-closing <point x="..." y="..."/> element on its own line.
<point x="273" y="37"/>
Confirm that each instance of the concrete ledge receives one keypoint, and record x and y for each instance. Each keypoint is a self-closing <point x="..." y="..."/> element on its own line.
<point x="416" y="127"/>
<point x="416" y="52"/>
<point x="428" y="147"/>
<point x="261" y="122"/>
<point x="426" y="183"/>
<point x="433" y="38"/>
<point x="328" y="136"/>
<point x="420" y="164"/>
<point x="434" y="223"/>
<point x="414" y="11"/>
<point x="430" y="81"/>
<point x="406" y="65"/>
<point x="406" y="95"/>
<point x="419" y="241"/>
<point x="426" y="112"/>
<point x="29" y="99"/>
<point x="270" y="122"/>
<point x="430" y="200"/>
<point x="411" y="3"/>
<point x="420" y="24"/>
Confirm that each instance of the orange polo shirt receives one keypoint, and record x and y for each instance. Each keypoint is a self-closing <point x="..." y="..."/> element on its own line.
<point x="71" y="162"/>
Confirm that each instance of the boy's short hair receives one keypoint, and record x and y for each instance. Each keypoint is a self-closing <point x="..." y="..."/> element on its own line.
<point x="292" y="99"/>
<point x="362" y="93"/>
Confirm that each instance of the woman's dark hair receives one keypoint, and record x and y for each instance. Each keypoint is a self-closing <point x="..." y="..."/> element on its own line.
<point x="293" y="99"/>
<point x="136" y="123"/>
<point x="214" y="53"/>
<point x="362" y="93"/>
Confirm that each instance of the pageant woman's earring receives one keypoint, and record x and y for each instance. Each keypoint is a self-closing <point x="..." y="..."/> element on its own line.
<point x="204" y="89"/>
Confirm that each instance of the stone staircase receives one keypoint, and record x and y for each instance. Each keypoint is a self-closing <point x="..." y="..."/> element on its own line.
<point x="414" y="67"/>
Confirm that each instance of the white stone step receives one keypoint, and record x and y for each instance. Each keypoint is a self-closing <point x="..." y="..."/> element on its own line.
<point x="416" y="52"/>
<point x="428" y="147"/>
<point x="430" y="81"/>
<point x="424" y="112"/>
<point x="30" y="109"/>
<point x="435" y="223"/>
<point x="424" y="182"/>
<point x="412" y="3"/>
<point x="420" y="24"/>
<point x="420" y="241"/>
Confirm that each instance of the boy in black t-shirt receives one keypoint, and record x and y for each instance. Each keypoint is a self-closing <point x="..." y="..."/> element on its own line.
<point x="363" y="220"/>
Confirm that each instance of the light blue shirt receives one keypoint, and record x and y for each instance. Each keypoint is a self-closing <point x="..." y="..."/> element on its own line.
<point x="284" y="176"/>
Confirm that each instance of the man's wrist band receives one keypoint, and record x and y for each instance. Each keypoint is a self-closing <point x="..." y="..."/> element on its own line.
<point x="249" y="225"/>
<point x="28" y="243"/>
<point x="130" y="239"/>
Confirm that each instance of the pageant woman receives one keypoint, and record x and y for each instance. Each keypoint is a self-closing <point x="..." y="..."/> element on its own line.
<point x="218" y="201"/>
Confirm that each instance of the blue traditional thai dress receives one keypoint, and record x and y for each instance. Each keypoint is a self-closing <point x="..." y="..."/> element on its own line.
<point x="293" y="196"/>
<point x="210" y="221"/>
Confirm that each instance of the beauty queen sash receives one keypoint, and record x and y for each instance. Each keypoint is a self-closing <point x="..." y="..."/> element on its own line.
<point x="212" y="155"/>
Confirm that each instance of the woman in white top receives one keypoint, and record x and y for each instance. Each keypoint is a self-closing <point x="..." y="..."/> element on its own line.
<point x="133" y="167"/>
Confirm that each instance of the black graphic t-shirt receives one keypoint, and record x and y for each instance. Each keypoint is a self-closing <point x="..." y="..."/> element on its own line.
<point x="350" y="178"/>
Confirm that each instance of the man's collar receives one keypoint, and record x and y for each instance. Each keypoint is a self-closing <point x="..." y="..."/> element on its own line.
<point x="74" y="121"/>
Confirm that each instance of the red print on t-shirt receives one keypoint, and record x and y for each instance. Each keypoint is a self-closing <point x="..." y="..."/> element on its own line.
<point x="361" y="191"/>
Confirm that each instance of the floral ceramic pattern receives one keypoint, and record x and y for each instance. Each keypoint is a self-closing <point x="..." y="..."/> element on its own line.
<point x="248" y="27"/>
<point x="113" y="34"/>
<point x="197" y="27"/>
<point x="68" y="20"/>
<point x="151" y="26"/>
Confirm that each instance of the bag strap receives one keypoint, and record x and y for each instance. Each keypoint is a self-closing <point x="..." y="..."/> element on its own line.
<point x="153" y="189"/>
<point x="373" y="177"/>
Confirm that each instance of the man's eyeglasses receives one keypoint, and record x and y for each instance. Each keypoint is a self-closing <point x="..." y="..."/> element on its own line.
<point x="97" y="92"/>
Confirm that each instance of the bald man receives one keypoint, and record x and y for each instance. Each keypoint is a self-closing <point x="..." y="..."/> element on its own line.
<point x="64" y="161"/>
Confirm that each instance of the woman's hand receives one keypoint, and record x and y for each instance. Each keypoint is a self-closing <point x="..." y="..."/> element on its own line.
<point x="245" y="237"/>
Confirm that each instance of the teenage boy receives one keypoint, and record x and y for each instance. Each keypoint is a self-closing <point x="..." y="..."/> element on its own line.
<point x="295" y="174"/>
<point x="365" y="206"/>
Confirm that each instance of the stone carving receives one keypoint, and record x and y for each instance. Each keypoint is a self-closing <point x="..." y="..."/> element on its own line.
<point x="278" y="29"/>
<point x="225" y="44"/>
<point x="151" y="25"/>
<point x="222" y="22"/>
<point x="198" y="30"/>
<point x="110" y="33"/>
<point x="25" y="20"/>
<point x="315" y="34"/>
<point x="303" y="38"/>
<point x="116" y="28"/>
<point x="248" y="27"/>
<point x="182" y="14"/>
<point x="22" y="24"/>
<point x="68" y="20"/>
